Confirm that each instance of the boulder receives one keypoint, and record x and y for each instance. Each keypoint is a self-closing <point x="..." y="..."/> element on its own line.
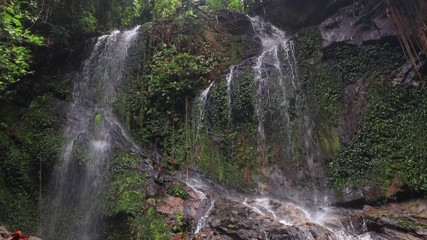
<point x="292" y="14"/>
<point x="407" y="75"/>
<point x="343" y="27"/>
<point x="406" y="220"/>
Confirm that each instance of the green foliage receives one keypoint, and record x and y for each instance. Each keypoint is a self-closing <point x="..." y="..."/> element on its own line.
<point x="165" y="8"/>
<point x="329" y="140"/>
<point x="26" y="145"/>
<point x="125" y="194"/>
<point x="352" y="62"/>
<point x="157" y="101"/>
<point x="175" y="74"/>
<point x="225" y="148"/>
<point x="243" y="107"/>
<point x="15" y="41"/>
<point x="127" y="189"/>
<point x="177" y="190"/>
<point x="179" y="226"/>
<point x="232" y="5"/>
<point x="152" y="226"/>
<point x="126" y="202"/>
<point x="308" y="43"/>
<point x="388" y="143"/>
<point x="98" y="119"/>
<point x="87" y="22"/>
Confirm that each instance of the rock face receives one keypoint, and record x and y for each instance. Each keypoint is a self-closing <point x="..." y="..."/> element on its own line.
<point x="407" y="220"/>
<point x="343" y="27"/>
<point x="290" y="14"/>
<point x="353" y="102"/>
<point x="239" y="25"/>
<point x="407" y="75"/>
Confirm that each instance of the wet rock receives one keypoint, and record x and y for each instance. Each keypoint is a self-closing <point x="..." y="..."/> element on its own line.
<point x="350" y="197"/>
<point x="399" y="235"/>
<point x="343" y="27"/>
<point x="353" y="103"/>
<point x="293" y="213"/>
<point x="372" y="193"/>
<point x="240" y="26"/>
<point x="151" y="188"/>
<point x="291" y="14"/>
<point x="357" y="197"/>
<point x="171" y="206"/>
<point x="351" y="220"/>
<point x="233" y="220"/>
<point x="407" y="75"/>
<point x="236" y="24"/>
<point x="407" y="220"/>
<point x="395" y="188"/>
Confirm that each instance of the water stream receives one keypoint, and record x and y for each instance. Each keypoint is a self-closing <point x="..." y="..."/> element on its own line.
<point x="285" y="212"/>
<point x="286" y="130"/>
<point x="202" y="105"/>
<point x="229" y="78"/>
<point x="79" y="179"/>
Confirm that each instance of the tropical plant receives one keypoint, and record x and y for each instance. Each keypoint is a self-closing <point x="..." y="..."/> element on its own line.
<point x="15" y="40"/>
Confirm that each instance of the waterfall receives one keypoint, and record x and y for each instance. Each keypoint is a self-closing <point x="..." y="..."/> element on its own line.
<point x="229" y="92"/>
<point x="284" y="121"/>
<point x="79" y="179"/>
<point x="202" y="109"/>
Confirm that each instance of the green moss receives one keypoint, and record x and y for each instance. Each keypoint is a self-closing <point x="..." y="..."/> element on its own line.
<point x="125" y="206"/>
<point x="330" y="142"/>
<point x="352" y="62"/>
<point x="125" y="194"/>
<point x="308" y="43"/>
<point x="386" y="143"/>
<point x="98" y="119"/>
<point x="406" y="222"/>
<point x="225" y="147"/>
<point x="152" y="226"/>
<point x="30" y="145"/>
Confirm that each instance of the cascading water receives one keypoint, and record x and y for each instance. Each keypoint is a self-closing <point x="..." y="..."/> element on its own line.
<point x="285" y="127"/>
<point x="286" y="133"/>
<point x="229" y="91"/>
<point x="202" y="109"/>
<point x="335" y="221"/>
<point x="92" y="133"/>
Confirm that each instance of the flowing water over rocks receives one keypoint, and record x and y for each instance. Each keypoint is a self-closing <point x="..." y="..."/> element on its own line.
<point x="295" y="205"/>
<point x="92" y="135"/>
<point x="288" y="147"/>
<point x="229" y="214"/>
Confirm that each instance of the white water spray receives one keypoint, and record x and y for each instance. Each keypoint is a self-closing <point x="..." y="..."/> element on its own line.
<point x="79" y="178"/>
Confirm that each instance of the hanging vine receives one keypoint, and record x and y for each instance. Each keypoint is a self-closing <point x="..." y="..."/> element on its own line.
<point x="409" y="18"/>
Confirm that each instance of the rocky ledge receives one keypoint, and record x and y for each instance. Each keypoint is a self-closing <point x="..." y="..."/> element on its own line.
<point x="238" y="221"/>
<point x="406" y="220"/>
